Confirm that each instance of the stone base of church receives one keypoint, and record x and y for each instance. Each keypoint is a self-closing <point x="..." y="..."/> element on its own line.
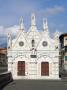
<point x="37" y="77"/>
<point x="35" y="70"/>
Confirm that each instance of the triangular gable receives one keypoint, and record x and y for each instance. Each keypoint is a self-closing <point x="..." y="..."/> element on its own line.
<point x="45" y="42"/>
<point x="20" y="39"/>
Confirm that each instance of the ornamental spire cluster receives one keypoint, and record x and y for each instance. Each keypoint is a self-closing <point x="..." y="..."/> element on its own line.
<point x="33" y="22"/>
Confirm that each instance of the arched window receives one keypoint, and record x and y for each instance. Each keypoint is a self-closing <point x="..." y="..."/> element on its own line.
<point x="33" y="43"/>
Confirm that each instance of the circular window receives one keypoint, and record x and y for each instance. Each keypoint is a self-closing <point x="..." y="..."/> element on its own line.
<point x="44" y="43"/>
<point x="21" y="43"/>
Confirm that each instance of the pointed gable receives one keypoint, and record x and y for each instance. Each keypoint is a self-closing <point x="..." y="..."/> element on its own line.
<point x="45" y="43"/>
<point x="20" y="42"/>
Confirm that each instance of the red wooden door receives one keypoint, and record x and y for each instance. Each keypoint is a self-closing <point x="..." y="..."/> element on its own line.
<point x="21" y="68"/>
<point x="45" y="69"/>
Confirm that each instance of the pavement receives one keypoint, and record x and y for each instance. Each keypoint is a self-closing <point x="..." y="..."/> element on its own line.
<point x="37" y="85"/>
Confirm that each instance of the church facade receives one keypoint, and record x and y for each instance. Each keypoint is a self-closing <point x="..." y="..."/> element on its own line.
<point x="33" y="54"/>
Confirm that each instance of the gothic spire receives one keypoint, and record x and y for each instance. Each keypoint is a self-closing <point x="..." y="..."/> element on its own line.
<point x="45" y="24"/>
<point x="21" y="24"/>
<point x="9" y="40"/>
<point x="33" y="21"/>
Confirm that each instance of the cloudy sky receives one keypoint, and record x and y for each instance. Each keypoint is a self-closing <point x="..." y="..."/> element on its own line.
<point x="12" y="10"/>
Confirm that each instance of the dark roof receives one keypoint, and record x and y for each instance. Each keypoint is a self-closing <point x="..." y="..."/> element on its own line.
<point x="3" y="50"/>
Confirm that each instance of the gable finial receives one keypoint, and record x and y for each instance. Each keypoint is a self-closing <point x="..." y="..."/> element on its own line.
<point x="9" y="41"/>
<point x="45" y="24"/>
<point x="21" y="23"/>
<point x="33" y="21"/>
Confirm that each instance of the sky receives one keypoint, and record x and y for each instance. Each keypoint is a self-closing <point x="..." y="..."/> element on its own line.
<point x="12" y="10"/>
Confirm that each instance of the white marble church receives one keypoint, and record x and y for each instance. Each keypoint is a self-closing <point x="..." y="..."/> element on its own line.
<point x="33" y="54"/>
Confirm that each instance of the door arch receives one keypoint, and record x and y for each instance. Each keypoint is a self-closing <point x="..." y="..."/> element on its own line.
<point x="21" y="68"/>
<point x="44" y="68"/>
